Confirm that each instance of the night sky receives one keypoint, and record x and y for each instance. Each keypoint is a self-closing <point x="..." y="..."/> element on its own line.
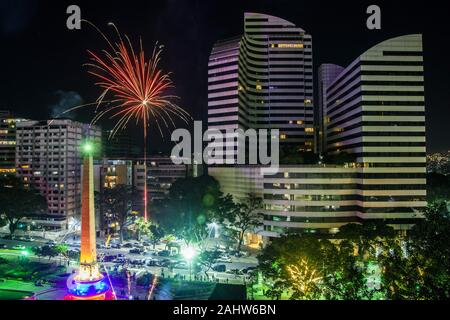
<point x="42" y="73"/>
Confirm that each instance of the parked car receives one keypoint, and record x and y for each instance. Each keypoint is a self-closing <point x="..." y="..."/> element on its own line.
<point x="248" y="270"/>
<point x="135" y="251"/>
<point x="27" y="239"/>
<point x="152" y="262"/>
<point x="236" y="272"/>
<point x="109" y="258"/>
<point x="2" y="246"/>
<point x="137" y="262"/>
<point x="181" y="265"/>
<point x="164" y="253"/>
<point x="115" y="245"/>
<point x="164" y="263"/>
<point x="219" y="268"/>
<point x="127" y="245"/>
<point x="50" y="243"/>
<point x="224" y="259"/>
<point x="19" y="247"/>
<point x="120" y="260"/>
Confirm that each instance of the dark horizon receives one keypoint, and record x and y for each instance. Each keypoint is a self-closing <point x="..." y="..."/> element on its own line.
<point x="43" y="72"/>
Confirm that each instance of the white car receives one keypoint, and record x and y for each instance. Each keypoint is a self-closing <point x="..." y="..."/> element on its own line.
<point x="224" y="259"/>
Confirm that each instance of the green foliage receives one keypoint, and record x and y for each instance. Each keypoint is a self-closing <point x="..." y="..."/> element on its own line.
<point x="192" y="203"/>
<point x="156" y="234"/>
<point x="308" y="267"/>
<point x="208" y="259"/>
<point x="46" y="251"/>
<point x="304" y="251"/>
<point x="419" y="268"/>
<point x="142" y="227"/>
<point x="18" y="202"/>
<point x="244" y="216"/>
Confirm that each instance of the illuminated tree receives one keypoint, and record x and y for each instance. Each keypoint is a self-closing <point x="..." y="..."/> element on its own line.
<point x="305" y="279"/>
<point x="142" y="227"/>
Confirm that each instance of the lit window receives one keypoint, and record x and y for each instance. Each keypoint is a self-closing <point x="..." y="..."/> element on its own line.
<point x="290" y="45"/>
<point x="258" y="87"/>
<point x="283" y="137"/>
<point x="299" y="122"/>
<point x="309" y="129"/>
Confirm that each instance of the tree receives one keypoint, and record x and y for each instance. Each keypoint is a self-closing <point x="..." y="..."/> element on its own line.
<point x="281" y="263"/>
<point x="245" y="217"/>
<point x="142" y="227"/>
<point x="346" y="278"/>
<point x="368" y="238"/>
<point x="208" y="258"/>
<point x="38" y="252"/>
<point x="419" y="268"/>
<point x="116" y="204"/>
<point x="18" y="202"/>
<point x="307" y="267"/>
<point x="47" y="251"/>
<point x="192" y="203"/>
<point x="62" y="250"/>
<point x="156" y="234"/>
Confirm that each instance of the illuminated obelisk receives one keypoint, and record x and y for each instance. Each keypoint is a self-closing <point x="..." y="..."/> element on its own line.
<point x="88" y="253"/>
<point x="88" y="283"/>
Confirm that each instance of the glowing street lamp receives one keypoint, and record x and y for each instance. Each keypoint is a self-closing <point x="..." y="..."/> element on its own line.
<point x="189" y="253"/>
<point x="88" y="147"/>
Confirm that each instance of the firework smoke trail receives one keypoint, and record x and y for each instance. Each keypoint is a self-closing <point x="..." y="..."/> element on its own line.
<point x="134" y="89"/>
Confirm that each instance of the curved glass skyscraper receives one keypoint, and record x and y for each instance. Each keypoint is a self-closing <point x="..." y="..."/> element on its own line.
<point x="264" y="79"/>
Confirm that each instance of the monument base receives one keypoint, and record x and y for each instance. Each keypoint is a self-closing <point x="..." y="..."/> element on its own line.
<point x="89" y="290"/>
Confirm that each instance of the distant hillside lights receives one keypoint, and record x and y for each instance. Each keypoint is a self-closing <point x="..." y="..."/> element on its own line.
<point x="255" y="153"/>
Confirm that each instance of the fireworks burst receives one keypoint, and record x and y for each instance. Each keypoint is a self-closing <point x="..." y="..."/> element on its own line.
<point x="134" y="89"/>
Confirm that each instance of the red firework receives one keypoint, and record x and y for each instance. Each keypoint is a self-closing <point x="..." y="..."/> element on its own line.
<point x="133" y="89"/>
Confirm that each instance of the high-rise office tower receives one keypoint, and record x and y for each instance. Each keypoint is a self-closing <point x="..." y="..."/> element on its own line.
<point x="263" y="80"/>
<point x="375" y="111"/>
<point x="48" y="158"/>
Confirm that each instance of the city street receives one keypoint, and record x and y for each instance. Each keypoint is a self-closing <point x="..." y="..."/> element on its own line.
<point x="171" y="270"/>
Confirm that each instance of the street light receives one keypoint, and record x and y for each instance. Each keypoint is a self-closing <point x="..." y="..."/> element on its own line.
<point x="88" y="147"/>
<point x="189" y="253"/>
